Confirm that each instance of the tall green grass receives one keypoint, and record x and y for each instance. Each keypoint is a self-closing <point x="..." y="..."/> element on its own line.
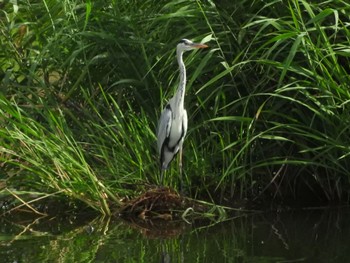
<point x="83" y="85"/>
<point x="292" y="129"/>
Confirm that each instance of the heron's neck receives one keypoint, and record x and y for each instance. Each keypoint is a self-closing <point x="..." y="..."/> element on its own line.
<point x="180" y="94"/>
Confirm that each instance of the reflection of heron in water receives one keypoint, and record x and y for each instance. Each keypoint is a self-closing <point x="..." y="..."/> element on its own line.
<point x="177" y="254"/>
<point x="165" y="258"/>
<point x="172" y="125"/>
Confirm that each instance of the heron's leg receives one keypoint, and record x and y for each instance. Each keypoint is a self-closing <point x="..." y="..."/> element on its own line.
<point x="161" y="181"/>
<point x="180" y="168"/>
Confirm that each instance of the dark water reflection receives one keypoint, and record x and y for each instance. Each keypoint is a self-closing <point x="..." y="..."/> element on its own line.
<point x="297" y="236"/>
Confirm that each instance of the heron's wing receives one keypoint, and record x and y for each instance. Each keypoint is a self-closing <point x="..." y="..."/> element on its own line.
<point x="184" y="123"/>
<point x="164" y="126"/>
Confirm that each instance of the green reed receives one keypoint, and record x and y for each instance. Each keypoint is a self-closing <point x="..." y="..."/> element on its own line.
<point x="83" y="86"/>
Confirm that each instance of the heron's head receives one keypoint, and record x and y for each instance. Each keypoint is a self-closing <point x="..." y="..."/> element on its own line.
<point x="185" y="45"/>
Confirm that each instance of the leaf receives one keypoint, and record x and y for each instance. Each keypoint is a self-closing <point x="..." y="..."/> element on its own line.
<point x="321" y="16"/>
<point x="290" y="57"/>
<point x="88" y="12"/>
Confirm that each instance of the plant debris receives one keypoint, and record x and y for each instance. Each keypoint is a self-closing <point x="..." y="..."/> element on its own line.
<point x="159" y="203"/>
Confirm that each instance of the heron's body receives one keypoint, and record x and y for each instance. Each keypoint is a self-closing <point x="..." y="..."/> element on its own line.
<point x="172" y="126"/>
<point x="172" y="134"/>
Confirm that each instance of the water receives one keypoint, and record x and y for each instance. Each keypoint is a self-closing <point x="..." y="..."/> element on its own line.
<point x="295" y="236"/>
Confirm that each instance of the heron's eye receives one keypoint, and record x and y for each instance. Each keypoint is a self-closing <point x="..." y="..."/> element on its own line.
<point x="185" y="41"/>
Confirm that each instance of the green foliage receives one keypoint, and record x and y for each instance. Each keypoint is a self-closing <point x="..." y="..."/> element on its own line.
<point x="83" y="85"/>
<point x="296" y="99"/>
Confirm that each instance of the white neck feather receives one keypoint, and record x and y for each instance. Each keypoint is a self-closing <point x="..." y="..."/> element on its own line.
<point x="180" y="93"/>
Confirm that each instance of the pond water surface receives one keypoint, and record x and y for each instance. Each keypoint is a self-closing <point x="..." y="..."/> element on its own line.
<point x="295" y="236"/>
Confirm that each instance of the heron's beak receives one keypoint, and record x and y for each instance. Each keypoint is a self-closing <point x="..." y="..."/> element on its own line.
<point x="199" y="45"/>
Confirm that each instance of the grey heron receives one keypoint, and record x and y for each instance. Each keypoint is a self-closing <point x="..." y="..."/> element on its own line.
<point x="172" y="125"/>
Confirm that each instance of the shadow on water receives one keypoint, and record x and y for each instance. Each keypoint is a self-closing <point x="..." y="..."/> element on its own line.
<point x="295" y="236"/>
